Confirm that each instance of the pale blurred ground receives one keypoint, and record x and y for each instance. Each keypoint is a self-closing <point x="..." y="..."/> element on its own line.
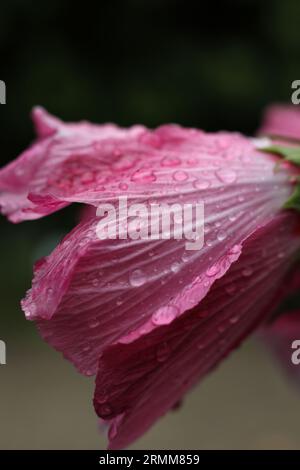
<point x="245" y="404"/>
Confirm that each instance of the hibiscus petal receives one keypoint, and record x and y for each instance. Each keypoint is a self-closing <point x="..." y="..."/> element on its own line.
<point x="91" y="163"/>
<point x="63" y="157"/>
<point x="280" y="337"/>
<point x="186" y="163"/>
<point x="140" y="381"/>
<point x="84" y="297"/>
<point x="280" y="333"/>
<point x="282" y="121"/>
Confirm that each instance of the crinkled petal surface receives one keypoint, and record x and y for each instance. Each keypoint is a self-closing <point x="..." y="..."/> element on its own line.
<point x="64" y="157"/>
<point x="90" y="163"/>
<point x="139" y="381"/>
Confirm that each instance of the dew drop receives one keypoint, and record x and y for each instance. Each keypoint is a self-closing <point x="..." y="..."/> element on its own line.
<point x="209" y="242"/>
<point x="221" y="235"/>
<point x="232" y="218"/>
<point x="186" y="256"/>
<point x="175" y="267"/>
<point x="201" y="184"/>
<point x="164" y="315"/>
<point x="170" y="161"/>
<point x="234" y="319"/>
<point x="247" y="272"/>
<point x="143" y="176"/>
<point x="226" y="175"/>
<point x="180" y="176"/>
<point x="94" y="324"/>
<point x="137" y="278"/>
<point x="125" y="162"/>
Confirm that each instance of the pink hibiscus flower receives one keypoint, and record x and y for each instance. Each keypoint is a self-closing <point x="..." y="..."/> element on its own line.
<point x="281" y="121"/>
<point x="149" y="318"/>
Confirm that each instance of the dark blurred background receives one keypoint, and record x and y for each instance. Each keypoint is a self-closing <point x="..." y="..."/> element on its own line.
<point x="213" y="65"/>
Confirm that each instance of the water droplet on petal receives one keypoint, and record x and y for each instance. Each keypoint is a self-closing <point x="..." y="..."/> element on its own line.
<point x="94" y="324"/>
<point x="209" y="242"/>
<point x="201" y="184"/>
<point x="180" y="176"/>
<point x="165" y="315"/>
<point x="137" y="278"/>
<point x="187" y="256"/>
<point x="151" y="139"/>
<point x="247" y="272"/>
<point x="232" y="218"/>
<point x="125" y="162"/>
<point x="221" y="235"/>
<point x="175" y="267"/>
<point x="234" y="319"/>
<point x="143" y="176"/>
<point x="226" y="175"/>
<point x="170" y="161"/>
